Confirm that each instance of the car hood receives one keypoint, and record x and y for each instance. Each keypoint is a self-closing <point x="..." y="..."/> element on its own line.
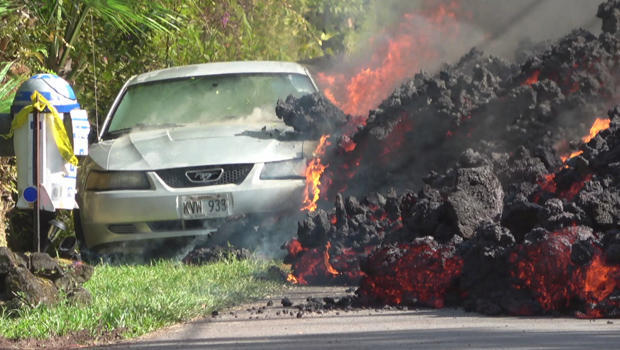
<point x="192" y="146"/>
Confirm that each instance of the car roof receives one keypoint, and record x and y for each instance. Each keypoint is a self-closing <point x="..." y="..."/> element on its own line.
<point x="218" y="68"/>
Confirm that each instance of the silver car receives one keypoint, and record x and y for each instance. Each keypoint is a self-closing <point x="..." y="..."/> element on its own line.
<point x="184" y="149"/>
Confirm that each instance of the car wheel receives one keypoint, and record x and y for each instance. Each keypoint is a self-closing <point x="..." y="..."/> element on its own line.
<point x="86" y="254"/>
<point x="79" y="233"/>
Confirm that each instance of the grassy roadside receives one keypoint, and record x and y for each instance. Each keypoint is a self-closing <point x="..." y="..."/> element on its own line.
<point x="139" y="299"/>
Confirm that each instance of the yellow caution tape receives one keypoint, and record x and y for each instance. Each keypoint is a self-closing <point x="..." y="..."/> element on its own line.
<point x="58" y="127"/>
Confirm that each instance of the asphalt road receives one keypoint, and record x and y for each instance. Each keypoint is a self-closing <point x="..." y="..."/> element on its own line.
<point x="258" y="326"/>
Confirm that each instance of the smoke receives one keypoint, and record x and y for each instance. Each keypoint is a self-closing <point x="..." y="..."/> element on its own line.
<point x="496" y="26"/>
<point x="400" y="39"/>
<point x="507" y="25"/>
<point x="264" y="234"/>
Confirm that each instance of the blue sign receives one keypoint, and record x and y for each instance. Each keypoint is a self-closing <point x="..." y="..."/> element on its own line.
<point x="30" y="194"/>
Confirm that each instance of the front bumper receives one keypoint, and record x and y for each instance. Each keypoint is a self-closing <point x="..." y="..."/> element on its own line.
<point x="130" y="215"/>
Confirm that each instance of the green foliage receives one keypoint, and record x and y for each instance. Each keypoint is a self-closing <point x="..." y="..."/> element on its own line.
<point x="142" y="298"/>
<point x="97" y="45"/>
<point x="7" y="191"/>
<point x="5" y="7"/>
<point x="8" y="85"/>
<point x="337" y="20"/>
<point x="268" y="29"/>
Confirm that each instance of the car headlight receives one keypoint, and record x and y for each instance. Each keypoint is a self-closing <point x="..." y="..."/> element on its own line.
<point x="117" y="180"/>
<point x="287" y="169"/>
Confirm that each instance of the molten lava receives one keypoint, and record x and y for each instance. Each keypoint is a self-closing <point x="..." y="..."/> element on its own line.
<point x="543" y="267"/>
<point x="546" y="269"/>
<point x="314" y="170"/>
<point x="310" y="265"/>
<point x="395" y="139"/>
<point x="419" y="273"/>
<point x="601" y="279"/>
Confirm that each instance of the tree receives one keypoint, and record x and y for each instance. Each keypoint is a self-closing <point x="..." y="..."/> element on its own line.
<point x="7" y="88"/>
<point x="58" y="23"/>
<point x="65" y="20"/>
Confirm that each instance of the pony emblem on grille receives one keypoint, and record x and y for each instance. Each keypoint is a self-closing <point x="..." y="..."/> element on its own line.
<point x="204" y="176"/>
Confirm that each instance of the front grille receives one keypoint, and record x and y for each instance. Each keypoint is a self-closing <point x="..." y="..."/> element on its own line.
<point x="231" y="174"/>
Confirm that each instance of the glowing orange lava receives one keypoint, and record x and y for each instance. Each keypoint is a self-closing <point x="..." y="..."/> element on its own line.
<point x="545" y="268"/>
<point x="532" y="78"/>
<point x="424" y="274"/>
<point x="310" y="265"/>
<point x="314" y="170"/>
<point x="600" y="280"/>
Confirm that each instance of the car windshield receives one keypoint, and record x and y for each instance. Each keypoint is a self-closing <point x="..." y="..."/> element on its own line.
<point x="231" y="98"/>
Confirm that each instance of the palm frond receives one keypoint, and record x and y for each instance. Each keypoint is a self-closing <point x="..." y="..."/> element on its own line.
<point x="134" y="16"/>
<point x="7" y="89"/>
<point x="6" y="7"/>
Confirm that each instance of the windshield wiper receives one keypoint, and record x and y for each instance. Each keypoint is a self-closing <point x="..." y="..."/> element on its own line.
<point x="155" y="126"/>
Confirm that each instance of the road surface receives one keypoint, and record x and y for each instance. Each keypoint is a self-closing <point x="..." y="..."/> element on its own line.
<point x="258" y="326"/>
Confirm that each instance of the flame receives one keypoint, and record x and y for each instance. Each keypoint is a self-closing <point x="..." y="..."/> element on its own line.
<point x="310" y="265"/>
<point x="599" y="125"/>
<point x="314" y="170"/>
<point x="410" y="48"/>
<point x="322" y="265"/>
<point x="532" y="78"/>
<point x="570" y="156"/>
<point x="328" y="266"/>
<point x="546" y="269"/>
<point x="291" y="279"/>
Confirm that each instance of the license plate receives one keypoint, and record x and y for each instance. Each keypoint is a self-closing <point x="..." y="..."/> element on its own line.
<point x="201" y="207"/>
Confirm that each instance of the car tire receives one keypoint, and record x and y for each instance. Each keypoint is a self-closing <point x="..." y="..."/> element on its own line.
<point x="87" y="255"/>
<point x="79" y="232"/>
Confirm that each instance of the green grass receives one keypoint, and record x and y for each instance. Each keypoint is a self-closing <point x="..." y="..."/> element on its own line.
<point x="141" y="298"/>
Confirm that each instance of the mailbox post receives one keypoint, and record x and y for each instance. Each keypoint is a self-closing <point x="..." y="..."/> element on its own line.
<point x="49" y="129"/>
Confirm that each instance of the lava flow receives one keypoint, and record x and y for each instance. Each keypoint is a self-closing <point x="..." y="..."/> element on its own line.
<point x="310" y="265"/>
<point x="462" y="187"/>
<point x="410" y="274"/>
